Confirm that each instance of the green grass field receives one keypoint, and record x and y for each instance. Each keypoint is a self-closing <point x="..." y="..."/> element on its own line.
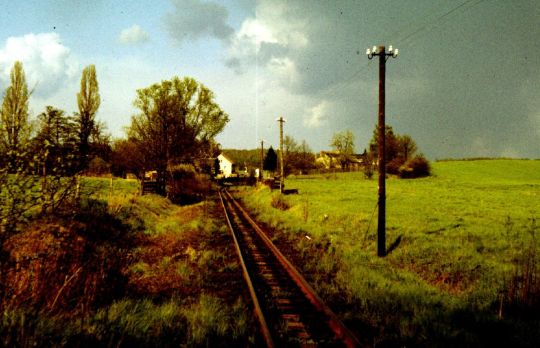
<point x="461" y="242"/>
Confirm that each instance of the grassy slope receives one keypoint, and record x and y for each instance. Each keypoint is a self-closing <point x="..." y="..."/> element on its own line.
<point x="459" y="232"/>
<point x="181" y="279"/>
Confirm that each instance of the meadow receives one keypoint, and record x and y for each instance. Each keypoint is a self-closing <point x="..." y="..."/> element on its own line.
<point x="463" y="261"/>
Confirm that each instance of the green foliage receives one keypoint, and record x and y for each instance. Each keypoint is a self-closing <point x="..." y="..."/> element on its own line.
<point x="343" y="142"/>
<point x="126" y="158"/>
<point x="270" y="160"/>
<point x="177" y="123"/>
<point x="400" y="154"/>
<point x="88" y="101"/>
<point x="248" y="158"/>
<point x="14" y="125"/>
<point x="209" y="320"/>
<point x="391" y="143"/>
<point x="279" y="202"/>
<point x="298" y="157"/>
<point x="416" y="167"/>
<point x="18" y="196"/>
<point x="56" y="143"/>
<point x="186" y="186"/>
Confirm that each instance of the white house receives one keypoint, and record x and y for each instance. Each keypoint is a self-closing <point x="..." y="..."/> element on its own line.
<point x="226" y="166"/>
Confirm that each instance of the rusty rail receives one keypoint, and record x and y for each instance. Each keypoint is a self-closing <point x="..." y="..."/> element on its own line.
<point x="265" y="331"/>
<point x="334" y="323"/>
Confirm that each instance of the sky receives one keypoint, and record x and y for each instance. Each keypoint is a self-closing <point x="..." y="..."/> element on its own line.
<point x="466" y="82"/>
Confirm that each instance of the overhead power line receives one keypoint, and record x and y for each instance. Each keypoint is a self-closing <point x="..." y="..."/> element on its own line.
<point x="407" y="37"/>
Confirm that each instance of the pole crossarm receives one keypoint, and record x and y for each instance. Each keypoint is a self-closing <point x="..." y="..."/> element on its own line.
<point x="380" y="51"/>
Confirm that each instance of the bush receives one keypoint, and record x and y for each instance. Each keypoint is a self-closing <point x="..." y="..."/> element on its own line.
<point x="394" y="165"/>
<point x="98" y="166"/>
<point x="369" y="170"/>
<point x="279" y="202"/>
<point x="186" y="186"/>
<point x="416" y="167"/>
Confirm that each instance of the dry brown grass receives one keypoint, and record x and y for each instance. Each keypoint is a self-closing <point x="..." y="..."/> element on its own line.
<point x="53" y="267"/>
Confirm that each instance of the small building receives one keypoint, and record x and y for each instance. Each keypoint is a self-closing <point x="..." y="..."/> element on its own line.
<point x="331" y="160"/>
<point x="229" y="166"/>
<point x="226" y="166"/>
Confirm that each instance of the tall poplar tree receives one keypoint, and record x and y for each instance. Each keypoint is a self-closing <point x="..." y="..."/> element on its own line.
<point x="88" y="100"/>
<point x="14" y="125"/>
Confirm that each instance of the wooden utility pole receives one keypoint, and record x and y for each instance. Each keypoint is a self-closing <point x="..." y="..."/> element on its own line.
<point x="282" y="176"/>
<point x="381" y="226"/>
<point x="262" y="161"/>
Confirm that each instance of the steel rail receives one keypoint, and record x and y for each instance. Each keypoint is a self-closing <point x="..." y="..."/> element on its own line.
<point x="335" y="324"/>
<point x="265" y="331"/>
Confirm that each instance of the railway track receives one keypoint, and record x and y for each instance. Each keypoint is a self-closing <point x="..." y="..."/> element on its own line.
<point x="289" y="311"/>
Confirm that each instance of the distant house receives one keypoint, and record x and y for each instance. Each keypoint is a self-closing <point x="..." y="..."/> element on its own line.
<point x="229" y="166"/>
<point x="335" y="160"/>
<point x="226" y="166"/>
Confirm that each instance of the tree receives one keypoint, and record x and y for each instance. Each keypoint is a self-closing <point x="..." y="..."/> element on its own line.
<point x="391" y="143"/>
<point x="177" y="123"/>
<point x="100" y="142"/>
<point x="55" y="142"/>
<point x="14" y="125"/>
<point x="270" y="160"/>
<point x="55" y="147"/>
<point x="17" y="184"/>
<point x="343" y="144"/>
<point x="407" y="147"/>
<point x="88" y="101"/>
<point x="400" y="150"/>
<point x="297" y="157"/>
<point x="126" y="158"/>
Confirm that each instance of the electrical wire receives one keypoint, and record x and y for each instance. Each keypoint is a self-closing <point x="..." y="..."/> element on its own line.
<point x="408" y="37"/>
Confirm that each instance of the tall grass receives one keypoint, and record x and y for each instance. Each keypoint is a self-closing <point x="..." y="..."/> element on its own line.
<point x="126" y="271"/>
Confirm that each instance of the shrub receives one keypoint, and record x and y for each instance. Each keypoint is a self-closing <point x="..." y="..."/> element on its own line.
<point x="416" y="167"/>
<point x="279" y="202"/>
<point x="186" y="186"/>
<point x="394" y="165"/>
<point x="369" y="170"/>
<point x="98" y="166"/>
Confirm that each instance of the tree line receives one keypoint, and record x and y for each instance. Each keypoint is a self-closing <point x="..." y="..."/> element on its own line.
<point x="402" y="158"/>
<point x="42" y="157"/>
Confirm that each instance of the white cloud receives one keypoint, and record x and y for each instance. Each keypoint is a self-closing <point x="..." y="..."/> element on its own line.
<point x="46" y="61"/>
<point x="246" y="44"/>
<point x="133" y="35"/>
<point x="318" y="115"/>
<point x="268" y="38"/>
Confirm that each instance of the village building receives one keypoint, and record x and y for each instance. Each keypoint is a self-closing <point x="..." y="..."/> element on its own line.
<point x="229" y="167"/>
<point x="226" y="166"/>
<point x="335" y="160"/>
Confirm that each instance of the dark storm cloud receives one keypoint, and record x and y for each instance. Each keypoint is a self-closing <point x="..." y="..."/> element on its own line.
<point x="457" y="86"/>
<point x="195" y="19"/>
